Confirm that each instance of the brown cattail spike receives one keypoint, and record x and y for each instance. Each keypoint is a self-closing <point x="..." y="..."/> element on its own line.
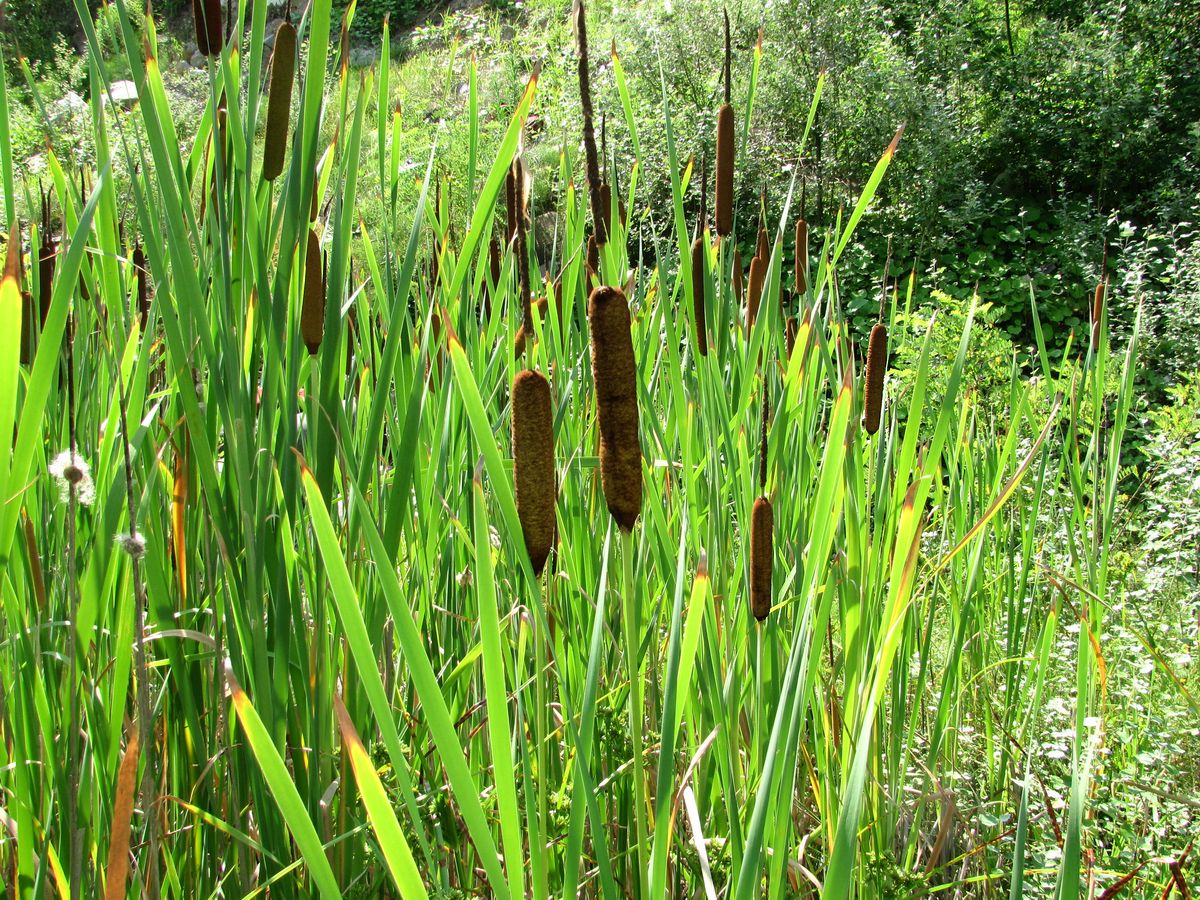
<point x="533" y="464"/>
<point x="876" y="369"/>
<point x="142" y="277"/>
<point x="312" y="312"/>
<point x="698" y="280"/>
<point x="764" y="245"/>
<point x="614" y="371"/>
<point x="593" y="258"/>
<point x="208" y="26"/>
<point x="279" y="101"/>
<point x="589" y="130"/>
<point x="801" y="257"/>
<point x="1098" y="311"/>
<point x="762" y="526"/>
<point x="725" y="153"/>
<point x="758" y="271"/>
<point x="792" y="328"/>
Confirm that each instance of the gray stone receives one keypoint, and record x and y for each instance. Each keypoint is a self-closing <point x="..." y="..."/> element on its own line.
<point x="122" y="93"/>
<point x="67" y="108"/>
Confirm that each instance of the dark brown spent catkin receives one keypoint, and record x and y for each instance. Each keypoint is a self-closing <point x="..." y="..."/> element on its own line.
<point x="510" y="203"/>
<point x="724" y="189"/>
<point x="698" y="280"/>
<point x="314" y="204"/>
<point x="522" y="246"/>
<point x="534" y="477"/>
<point x="142" y="277"/>
<point x="201" y="29"/>
<point x="763" y="251"/>
<point x="791" y="335"/>
<point x="876" y="369"/>
<point x="737" y="275"/>
<point x="758" y="271"/>
<point x="312" y="310"/>
<point x="599" y="223"/>
<point x="801" y="257"/>
<point x="495" y="260"/>
<point x="614" y="371"/>
<point x="762" y="526"/>
<point x="279" y="100"/>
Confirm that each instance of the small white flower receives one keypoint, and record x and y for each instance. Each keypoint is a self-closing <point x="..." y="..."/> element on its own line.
<point x="133" y="543"/>
<point x="73" y="474"/>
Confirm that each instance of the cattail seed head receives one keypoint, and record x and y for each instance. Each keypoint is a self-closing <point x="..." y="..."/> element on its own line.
<point x="533" y="464"/>
<point x="142" y="277"/>
<point x="801" y="257"/>
<point x="207" y="14"/>
<point x="1098" y="311"/>
<point x="758" y="272"/>
<point x="876" y="369"/>
<point x="698" y="279"/>
<point x="725" y="152"/>
<point x="312" y="311"/>
<point x="763" y="251"/>
<point x="593" y="257"/>
<point x="762" y="526"/>
<point x="614" y="371"/>
<point x="279" y="101"/>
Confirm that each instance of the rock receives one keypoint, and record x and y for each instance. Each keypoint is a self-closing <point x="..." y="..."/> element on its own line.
<point x="181" y="67"/>
<point x="361" y="57"/>
<point x="67" y="108"/>
<point x="198" y="60"/>
<point x="122" y="93"/>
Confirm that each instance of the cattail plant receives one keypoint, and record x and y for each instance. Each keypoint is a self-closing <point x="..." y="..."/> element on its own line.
<point x="876" y="369"/>
<point x="593" y="257"/>
<point x="790" y="334"/>
<point x="699" y="266"/>
<point x="533" y="464"/>
<point x="599" y="221"/>
<point x="758" y="272"/>
<point x="522" y="240"/>
<point x="47" y="258"/>
<point x="312" y="310"/>
<point x="142" y="277"/>
<point x="763" y="250"/>
<point x="615" y="373"/>
<point x="801" y="257"/>
<point x="1098" y="310"/>
<point x="279" y="101"/>
<point x="762" y="526"/>
<point x="725" y="151"/>
<point x="207" y="14"/>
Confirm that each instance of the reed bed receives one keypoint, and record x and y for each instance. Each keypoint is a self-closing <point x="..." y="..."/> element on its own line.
<point x="305" y="638"/>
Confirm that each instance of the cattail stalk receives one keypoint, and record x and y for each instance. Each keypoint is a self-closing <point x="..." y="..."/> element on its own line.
<point x="599" y="222"/>
<point x="312" y="310"/>
<point x="279" y="101"/>
<point x="615" y="373"/>
<point x="876" y="369"/>
<point x="533" y="464"/>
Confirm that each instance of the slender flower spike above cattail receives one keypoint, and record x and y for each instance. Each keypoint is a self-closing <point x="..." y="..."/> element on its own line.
<point x="592" y="157"/>
<point x="876" y="369"/>
<point x="533" y="464"/>
<point x="312" y="310"/>
<point x="762" y="526"/>
<point x="614" y="371"/>
<point x="279" y="100"/>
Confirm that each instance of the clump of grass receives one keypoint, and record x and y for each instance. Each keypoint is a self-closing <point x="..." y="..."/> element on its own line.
<point x="279" y="101"/>
<point x="615" y="373"/>
<point x="533" y="464"/>
<point x="876" y="369"/>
